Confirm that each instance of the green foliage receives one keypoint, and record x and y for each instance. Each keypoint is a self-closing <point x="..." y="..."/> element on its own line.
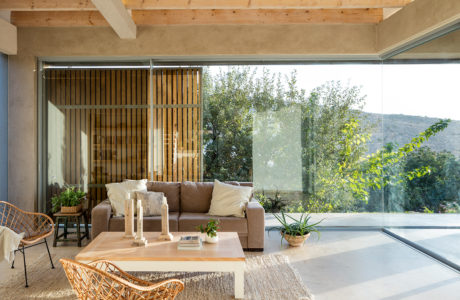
<point x="271" y="204"/>
<point x="210" y="229"/>
<point x="241" y="109"/>
<point x="438" y="189"/>
<point x="69" y="197"/>
<point x="293" y="226"/>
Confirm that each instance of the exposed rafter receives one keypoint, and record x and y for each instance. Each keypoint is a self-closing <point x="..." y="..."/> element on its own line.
<point x="256" y="16"/>
<point x="118" y="17"/>
<point x="202" y="16"/>
<point x="58" y="18"/>
<point x="26" y="5"/>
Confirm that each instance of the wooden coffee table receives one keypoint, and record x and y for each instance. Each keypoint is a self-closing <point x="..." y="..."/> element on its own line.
<point x="225" y="256"/>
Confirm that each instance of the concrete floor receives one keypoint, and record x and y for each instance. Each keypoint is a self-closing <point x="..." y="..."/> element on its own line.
<point x="444" y="242"/>
<point x="346" y="265"/>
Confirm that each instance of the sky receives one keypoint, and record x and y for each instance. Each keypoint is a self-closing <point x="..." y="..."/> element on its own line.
<point x="429" y="90"/>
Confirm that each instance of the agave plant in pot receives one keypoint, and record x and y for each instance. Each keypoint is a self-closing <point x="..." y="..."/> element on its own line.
<point x="68" y="201"/>
<point x="295" y="231"/>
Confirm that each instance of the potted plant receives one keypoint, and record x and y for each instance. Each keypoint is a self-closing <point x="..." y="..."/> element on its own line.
<point x="211" y="231"/>
<point x="68" y="201"/>
<point x="295" y="231"/>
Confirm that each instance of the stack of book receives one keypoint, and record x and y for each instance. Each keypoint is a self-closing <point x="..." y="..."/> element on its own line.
<point x="189" y="242"/>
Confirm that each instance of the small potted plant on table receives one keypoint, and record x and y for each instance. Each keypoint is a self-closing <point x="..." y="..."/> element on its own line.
<point x="69" y="201"/>
<point x="295" y="231"/>
<point x="210" y="230"/>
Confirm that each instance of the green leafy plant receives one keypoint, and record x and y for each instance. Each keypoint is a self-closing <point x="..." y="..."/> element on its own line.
<point x="69" y="197"/>
<point x="295" y="227"/>
<point x="271" y="204"/>
<point x="210" y="229"/>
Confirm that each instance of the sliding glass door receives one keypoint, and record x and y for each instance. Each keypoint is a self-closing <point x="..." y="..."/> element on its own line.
<point x="110" y="124"/>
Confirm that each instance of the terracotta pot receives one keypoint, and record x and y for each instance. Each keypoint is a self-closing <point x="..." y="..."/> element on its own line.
<point x="296" y="240"/>
<point x="70" y="209"/>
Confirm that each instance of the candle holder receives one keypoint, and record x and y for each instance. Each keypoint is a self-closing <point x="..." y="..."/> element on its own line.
<point x="129" y="218"/>
<point x="165" y="234"/>
<point x="140" y="239"/>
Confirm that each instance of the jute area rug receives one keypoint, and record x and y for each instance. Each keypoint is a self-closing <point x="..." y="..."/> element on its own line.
<point x="266" y="277"/>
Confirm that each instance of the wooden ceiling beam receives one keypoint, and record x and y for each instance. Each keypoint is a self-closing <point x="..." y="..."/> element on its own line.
<point x="256" y="16"/>
<point x="46" y="5"/>
<point x="57" y="18"/>
<point x="201" y="17"/>
<point x="118" y="17"/>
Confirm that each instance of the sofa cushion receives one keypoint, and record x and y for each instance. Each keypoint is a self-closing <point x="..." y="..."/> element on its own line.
<point x="119" y="192"/>
<point x="189" y="221"/>
<point x="171" y="191"/>
<point x="195" y="196"/>
<point x="152" y="223"/>
<point x="151" y="203"/>
<point x="229" y="200"/>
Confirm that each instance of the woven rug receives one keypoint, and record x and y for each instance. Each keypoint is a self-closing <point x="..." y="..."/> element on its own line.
<point x="266" y="277"/>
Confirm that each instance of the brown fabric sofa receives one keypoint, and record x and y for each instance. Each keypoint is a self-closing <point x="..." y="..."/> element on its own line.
<point x="189" y="203"/>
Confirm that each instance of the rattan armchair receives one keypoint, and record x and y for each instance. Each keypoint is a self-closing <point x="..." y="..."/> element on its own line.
<point x="102" y="279"/>
<point x="36" y="227"/>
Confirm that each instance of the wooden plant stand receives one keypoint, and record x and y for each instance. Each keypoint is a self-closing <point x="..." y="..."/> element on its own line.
<point x="65" y="218"/>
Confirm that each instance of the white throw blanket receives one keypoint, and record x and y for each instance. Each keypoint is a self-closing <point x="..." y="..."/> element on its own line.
<point x="9" y="241"/>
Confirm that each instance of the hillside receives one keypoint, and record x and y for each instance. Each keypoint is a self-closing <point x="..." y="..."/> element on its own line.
<point x="402" y="128"/>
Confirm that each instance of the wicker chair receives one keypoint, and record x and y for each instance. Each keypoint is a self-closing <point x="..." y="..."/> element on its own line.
<point x="102" y="279"/>
<point x="36" y="227"/>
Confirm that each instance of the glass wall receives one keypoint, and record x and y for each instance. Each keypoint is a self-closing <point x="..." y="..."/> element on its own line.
<point x="106" y="125"/>
<point x="306" y="135"/>
<point x="337" y="138"/>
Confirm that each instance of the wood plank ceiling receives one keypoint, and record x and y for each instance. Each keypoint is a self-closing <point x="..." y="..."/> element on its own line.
<point x="64" y="13"/>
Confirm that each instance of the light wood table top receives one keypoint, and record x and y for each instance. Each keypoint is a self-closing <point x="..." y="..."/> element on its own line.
<point x="114" y="247"/>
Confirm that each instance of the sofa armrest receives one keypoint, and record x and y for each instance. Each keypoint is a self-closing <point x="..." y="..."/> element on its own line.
<point x="256" y="225"/>
<point x="100" y="217"/>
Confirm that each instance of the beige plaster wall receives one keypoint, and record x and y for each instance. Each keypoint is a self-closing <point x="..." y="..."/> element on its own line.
<point x="416" y="20"/>
<point x="22" y="133"/>
<point x="204" y="42"/>
<point x="445" y="47"/>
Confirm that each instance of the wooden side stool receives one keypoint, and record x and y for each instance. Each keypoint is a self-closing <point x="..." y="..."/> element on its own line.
<point x="65" y="218"/>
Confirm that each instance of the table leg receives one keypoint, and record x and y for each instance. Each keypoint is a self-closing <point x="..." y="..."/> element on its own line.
<point x="239" y="283"/>
<point x="85" y="216"/>
<point x="56" y="231"/>
<point x="65" y="226"/>
<point x="78" y="232"/>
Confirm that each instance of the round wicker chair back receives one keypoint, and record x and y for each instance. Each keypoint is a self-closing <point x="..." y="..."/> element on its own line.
<point x="35" y="226"/>
<point x="102" y="279"/>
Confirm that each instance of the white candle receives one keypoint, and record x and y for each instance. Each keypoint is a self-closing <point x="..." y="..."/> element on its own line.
<point x="164" y="216"/>
<point x="139" y="219"/>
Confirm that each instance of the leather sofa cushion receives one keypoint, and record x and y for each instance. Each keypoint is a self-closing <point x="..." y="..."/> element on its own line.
<point x="171" y="191"/>
<point x="195" y="196"/>
<point x="152" y="223"/>
<point x="189" y="221"/>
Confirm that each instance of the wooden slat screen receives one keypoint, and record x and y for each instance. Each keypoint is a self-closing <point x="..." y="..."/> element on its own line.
<point x="104" y="135"/>
<point x="177" y="124"/>
<point x="98" y="127"/>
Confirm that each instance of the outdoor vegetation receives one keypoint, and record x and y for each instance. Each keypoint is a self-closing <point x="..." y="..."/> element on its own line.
<point x="243" y="106"/>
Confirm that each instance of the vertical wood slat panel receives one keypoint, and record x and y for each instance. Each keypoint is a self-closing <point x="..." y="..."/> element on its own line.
<point x="118" y="138"/>
<point x="164" y="128"/>
<point x="177" y="125"/>
<point x="190" y="125"/>
<point x="114" y="144"/>
<point x="180" y="101"/>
